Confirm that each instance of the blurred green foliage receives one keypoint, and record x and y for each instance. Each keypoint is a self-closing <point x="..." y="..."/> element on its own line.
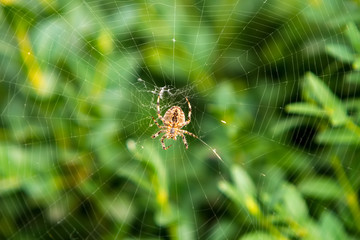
<point x="76" y="158"/>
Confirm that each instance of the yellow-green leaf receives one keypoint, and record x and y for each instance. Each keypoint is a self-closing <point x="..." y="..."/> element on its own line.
<point x="341" y="52"/>
<point x="305" y="109"/>
<point x="353" y="34"/>
<point x="316" y="90"/>
<point x="323" y="188"/>
<point x="337" y="136"/>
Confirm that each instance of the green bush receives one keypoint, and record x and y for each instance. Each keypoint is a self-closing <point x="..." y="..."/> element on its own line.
<point x="273" y="87"/>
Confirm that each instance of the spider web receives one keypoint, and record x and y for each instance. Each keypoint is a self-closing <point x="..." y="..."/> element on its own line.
<point x="80" y="81"/>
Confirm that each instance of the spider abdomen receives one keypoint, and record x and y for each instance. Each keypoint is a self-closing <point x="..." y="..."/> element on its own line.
<point x="174" y="115"/>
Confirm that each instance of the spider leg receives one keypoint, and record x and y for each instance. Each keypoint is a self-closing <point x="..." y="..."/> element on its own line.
<point x="163" y="144"/>
<point x="188" y="133"/>
<point x="158" y="109"/>
<point x="184" y="140"/>
<point x="189" y="114"/>
<point x="158" y="133"/>
<point x="157" y="124"/>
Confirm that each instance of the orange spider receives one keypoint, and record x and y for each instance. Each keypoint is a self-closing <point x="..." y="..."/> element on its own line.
<point x="173" y="120"/>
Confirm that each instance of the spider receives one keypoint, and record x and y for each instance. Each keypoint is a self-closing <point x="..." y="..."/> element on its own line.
<point x="173" y="120"/>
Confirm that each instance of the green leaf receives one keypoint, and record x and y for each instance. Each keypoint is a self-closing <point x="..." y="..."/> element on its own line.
<point x="305" y="109"/>
<point x="353" y="105"/>
<point x="42" y="189"/>
<point x="119" y="208"/>
<point x="230" y="191"/>
<point x="286" y="124"/>
<point x="243" y="189"/>
<point x="242" y="181"/>
<point x="356" y="64"/>
<point x="321" y="188"/>
<point x="293" y="203"/>
<point x="9" y="184"/>
<point x="317" y="90"/>
<point x="154" y="163"/>
<point x="353" y="77"/>
<point x="223" y="229"/>
<point x="337" y="136"/>
<point x="257" y="236"/>
<point x="353" y="35"/>
<point x="245" y="201"/>
<point x="331" y="227"/>
<point x="341" y="52"/>
<point x="136" y="176"/>
<point x="166" y="218"/>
